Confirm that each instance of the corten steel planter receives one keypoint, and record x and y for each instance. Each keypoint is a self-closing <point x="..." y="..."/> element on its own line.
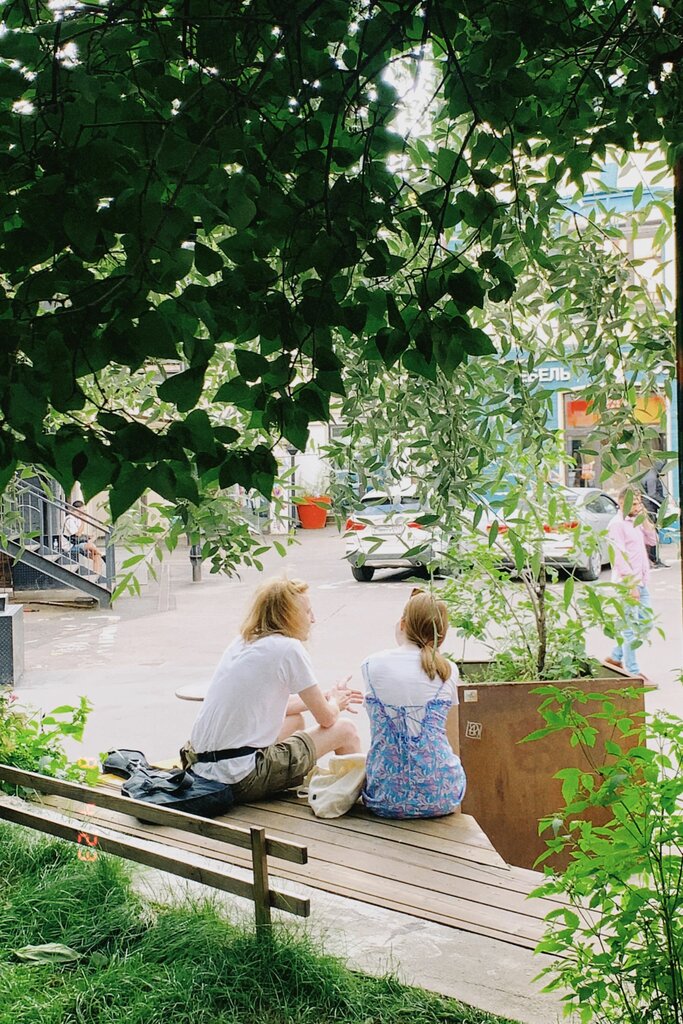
<point x="311" y="515"/>
<point x="510" y="785"/>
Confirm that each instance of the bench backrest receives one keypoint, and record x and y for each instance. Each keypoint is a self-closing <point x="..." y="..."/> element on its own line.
<point x="107" y="840"/>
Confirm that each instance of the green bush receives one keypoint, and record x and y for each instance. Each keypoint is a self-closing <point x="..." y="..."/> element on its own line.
<point x="619" y="938"/>
<point x="35" y="742"/>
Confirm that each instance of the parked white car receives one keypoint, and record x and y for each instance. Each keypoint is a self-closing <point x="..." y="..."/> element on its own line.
<point x="578" y="542"/>
<point x="384" y="533"/>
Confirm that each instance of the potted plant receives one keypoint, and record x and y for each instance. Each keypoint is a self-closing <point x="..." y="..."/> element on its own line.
<point x="534" y="633"/>
<point x="315" y="503"/>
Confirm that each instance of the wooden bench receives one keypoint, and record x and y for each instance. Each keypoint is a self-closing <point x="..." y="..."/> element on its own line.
<point x="65" y="819"/>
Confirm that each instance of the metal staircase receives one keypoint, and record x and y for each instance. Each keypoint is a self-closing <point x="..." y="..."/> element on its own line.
<point x="32" y="533"/>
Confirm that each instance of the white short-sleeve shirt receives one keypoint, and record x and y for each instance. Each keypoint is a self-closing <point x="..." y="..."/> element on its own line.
<point x="397" y="678"/>
<point x="246" y="702"/>
<point x="73" y="527"/>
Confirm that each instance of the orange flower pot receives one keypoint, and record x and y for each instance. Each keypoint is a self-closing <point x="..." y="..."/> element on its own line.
<point x="311" y="515"/>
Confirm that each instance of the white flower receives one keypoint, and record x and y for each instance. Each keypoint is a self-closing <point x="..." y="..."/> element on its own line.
<point x="23" y="107"/>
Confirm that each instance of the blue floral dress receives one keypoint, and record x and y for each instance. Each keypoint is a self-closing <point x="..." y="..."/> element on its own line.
<point x="411" y="775"/>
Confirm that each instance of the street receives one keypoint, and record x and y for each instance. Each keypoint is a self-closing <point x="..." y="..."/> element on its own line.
<point x="130" y="660"/>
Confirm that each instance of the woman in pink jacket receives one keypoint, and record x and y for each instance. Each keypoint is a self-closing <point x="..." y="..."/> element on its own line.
<point x="628" y="540"/>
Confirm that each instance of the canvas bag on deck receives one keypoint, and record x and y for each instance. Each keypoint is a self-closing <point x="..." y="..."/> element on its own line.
<point x="333" y="791"/>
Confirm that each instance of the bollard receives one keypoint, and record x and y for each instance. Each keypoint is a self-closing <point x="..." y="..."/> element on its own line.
<point x="196" y="559"/>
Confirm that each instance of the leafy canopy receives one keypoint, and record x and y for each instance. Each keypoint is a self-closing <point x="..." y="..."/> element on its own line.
<point x="222" y="190"/>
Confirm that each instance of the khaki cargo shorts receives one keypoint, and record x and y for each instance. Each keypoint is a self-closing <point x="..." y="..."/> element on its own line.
<point x="280" y="766"/>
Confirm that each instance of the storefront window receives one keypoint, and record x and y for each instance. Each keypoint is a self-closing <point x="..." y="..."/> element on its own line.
<point x="579" y="425"/>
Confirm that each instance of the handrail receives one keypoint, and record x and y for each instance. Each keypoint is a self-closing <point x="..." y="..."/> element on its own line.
<point x="67" y="822"/>
<point x="65" y="506"/>
<point x="48" y="533"/>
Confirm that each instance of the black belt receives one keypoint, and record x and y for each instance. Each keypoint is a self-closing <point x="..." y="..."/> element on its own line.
<point x="226" y="755"/>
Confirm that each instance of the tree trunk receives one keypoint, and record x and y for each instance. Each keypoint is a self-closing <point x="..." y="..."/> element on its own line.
<point x="678" y="221"/>
<point x="542" y="622"/>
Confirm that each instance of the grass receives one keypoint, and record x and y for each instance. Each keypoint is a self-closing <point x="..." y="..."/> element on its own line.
<point x="178" y="965"/>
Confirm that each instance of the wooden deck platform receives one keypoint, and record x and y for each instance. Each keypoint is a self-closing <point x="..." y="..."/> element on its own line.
<point x="444" y="870"/>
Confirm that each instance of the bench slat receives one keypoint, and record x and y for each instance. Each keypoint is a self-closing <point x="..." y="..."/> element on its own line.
<point x="383" y="828"/>
<point x="206" y="827"/>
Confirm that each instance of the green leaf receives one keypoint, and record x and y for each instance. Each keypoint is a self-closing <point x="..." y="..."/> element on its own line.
<point x="518" y="551"/>
<point x="48" y="953"/>
<point x="251" y="365"/>
<point x="241" y="209"/>
<point x="81" y="229"/>
<point x="415" y="362"/>
<point x="475" y="342"/>
<point x="207" y="261"/>
<point x="391" y="343"/>
<point x="295" y="424"/>
<point x="467" y="289"/>
<point x="183" y="389"/>
<point x="129" y="485"/>
<point x="445" y="163"/>
<point x="395" y="318"/>
<point x="236" y="392"/>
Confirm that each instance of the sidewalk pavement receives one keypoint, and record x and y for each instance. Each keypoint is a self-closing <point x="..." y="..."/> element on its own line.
<point x="129" y="661"/>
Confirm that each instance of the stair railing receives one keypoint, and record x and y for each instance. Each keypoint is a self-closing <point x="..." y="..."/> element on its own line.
<point x="42" y="529"/>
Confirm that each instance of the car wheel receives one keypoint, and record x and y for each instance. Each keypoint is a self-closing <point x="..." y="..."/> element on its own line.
<point x="592" y="570"/>
<point x="362" y="573"/>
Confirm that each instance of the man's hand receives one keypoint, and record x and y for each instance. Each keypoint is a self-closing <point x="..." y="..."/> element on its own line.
<point x="345" y="697"/>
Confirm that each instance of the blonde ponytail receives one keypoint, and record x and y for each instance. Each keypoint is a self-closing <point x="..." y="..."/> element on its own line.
<point x="425" y="622"/>
<point x="434" y="664"/>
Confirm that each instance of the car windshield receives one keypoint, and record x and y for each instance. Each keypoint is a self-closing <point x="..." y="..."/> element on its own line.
<point x="383" y="504"/>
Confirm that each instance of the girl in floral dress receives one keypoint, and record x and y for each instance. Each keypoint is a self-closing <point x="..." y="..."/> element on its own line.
<point x="412" y="771"/>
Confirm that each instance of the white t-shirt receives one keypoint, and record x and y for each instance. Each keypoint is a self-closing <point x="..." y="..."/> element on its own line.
<point x="73" y="526"/>
<point x="246" y="702"/>
<point x="397" y="678"/>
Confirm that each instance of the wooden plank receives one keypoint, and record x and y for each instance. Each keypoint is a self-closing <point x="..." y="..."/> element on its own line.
<point x="384" y="830"/>
<point x="527" y="938"/>
<point x="437" y="873"/>
<point x="205" y="827"/>
<point x="481" y="855"/>
<point x="447" y="826"/>
<point x="336" y="876"/>
<point x="416" y="901"/>
<point x="370" y="858"/>
<point x="114" y="844"/>
<point x="525" y="927"/>
<point x="259" y="866"/>
<point x="329" y="847"/>
<point x="455" y="826"/>
<point x="459" y="828"/>
<point x="475" y="910"/>
<point x="107" y="843"/>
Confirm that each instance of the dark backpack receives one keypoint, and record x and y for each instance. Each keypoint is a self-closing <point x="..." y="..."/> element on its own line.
<point x="177" y="790"/>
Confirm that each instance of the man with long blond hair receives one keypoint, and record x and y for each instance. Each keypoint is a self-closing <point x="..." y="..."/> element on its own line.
<point x="250" y="732"/>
